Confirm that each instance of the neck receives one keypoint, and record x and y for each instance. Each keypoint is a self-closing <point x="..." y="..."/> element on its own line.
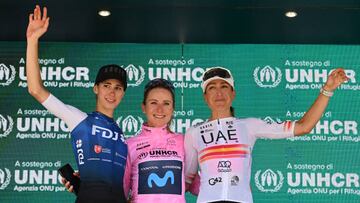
<point x="106" y="112"/>
<point x="220" y="114"/>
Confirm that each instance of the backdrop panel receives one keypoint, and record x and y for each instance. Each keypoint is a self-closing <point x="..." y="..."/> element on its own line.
<point x="273" y="82"/>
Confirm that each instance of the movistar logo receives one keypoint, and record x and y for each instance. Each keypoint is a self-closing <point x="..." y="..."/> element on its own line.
<point x="160" y="182"/>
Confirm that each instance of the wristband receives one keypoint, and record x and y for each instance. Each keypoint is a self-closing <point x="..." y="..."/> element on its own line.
<point x="326" y="93"/>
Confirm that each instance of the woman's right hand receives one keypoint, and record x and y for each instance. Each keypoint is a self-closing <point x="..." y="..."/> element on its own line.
<point x="38" y="24"/>
<point x="67" y="183"/>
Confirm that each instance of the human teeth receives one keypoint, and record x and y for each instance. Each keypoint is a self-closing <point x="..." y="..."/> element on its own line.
<point x="110" y="100"/>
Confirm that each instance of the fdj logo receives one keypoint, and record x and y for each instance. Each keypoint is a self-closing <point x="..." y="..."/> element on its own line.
<point x="80" y="151"/>
<point x="269" y="181"/>
<point x="6" y="125"/>
<point x="104" y="132"/>
<point x="135" y="75"/>
<point x="78" y="143"/>
<point x="161" y="182"/>
<point x="5" y="177"/>
<point x="130" y="125"/>
<point x="7" y="74"/>
<point x="267" y="77"/>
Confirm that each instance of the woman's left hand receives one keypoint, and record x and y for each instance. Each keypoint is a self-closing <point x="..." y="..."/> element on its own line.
<point x="335" y="79"/>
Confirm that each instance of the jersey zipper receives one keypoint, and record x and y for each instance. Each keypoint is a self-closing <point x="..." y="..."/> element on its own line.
<point x="224" y="176"/>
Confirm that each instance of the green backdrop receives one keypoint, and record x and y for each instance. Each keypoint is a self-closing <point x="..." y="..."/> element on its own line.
<point x="273" y="82"/>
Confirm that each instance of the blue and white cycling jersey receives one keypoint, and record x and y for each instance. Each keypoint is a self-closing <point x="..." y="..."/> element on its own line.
<point x="97" y="141"/>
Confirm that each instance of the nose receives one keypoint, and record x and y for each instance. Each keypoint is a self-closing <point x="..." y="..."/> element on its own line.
<point x="112" y="90"/>
<point x="159" y="108"/>
<point x="218" y="92"/>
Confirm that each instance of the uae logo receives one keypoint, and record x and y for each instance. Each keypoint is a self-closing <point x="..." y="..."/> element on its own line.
<point x="6" y="125"/>
<point x="269" y="181"/>
<point x="135" y="75"/>
<point x="130" y="125"/>
<point x="267" y="77"/>
<point x="5" y="177"/>
<point x="7" y="74"/>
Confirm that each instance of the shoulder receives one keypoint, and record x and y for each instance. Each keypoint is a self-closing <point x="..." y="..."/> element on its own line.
<point x="132" y="140"/>
<point x="177" y="136"/>
<point x="248" y="120"/>
<point x="195" y="127"/>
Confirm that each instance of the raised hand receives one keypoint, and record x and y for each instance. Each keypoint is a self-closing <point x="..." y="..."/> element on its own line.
<point x="335" y="79"/>
<point x="38" y="24"/>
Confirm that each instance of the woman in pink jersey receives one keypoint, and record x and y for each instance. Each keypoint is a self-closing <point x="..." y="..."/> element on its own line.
<point x="155" y="164"/>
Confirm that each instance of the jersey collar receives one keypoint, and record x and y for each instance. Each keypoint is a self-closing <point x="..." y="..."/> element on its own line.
<point x="152" y="131"/>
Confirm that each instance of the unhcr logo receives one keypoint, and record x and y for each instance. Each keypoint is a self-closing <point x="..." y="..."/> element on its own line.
<point x="5" y="177"/>
<point x="267" y="77"/>
<point x="130" y="125"/>
<point x="135" y="75"/>
<point x="7" y="74"/>
<point x="6" y="125"/>
<point x="269" y="181"/>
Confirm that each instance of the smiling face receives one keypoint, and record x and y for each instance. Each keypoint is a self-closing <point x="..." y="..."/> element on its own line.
<point x="219" y="96"/>
<point x="109" y="94"/>
<point x="158" y="107"/>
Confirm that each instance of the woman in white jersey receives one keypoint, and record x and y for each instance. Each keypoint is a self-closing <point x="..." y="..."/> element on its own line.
<point x="222" y="146"/>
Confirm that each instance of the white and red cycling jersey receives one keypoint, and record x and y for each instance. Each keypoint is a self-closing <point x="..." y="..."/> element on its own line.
<point x="155" y="166"/>
<point x="222" y="148"/>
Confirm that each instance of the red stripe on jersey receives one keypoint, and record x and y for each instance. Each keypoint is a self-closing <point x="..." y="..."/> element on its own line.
<point x="223" y="146"/>
<point x="223" y="157"/>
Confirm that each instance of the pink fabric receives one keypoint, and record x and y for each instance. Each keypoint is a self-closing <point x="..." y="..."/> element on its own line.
<point x="158" y="153"/>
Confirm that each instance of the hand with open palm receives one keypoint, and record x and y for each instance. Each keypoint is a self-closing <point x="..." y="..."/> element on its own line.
<point x="38" y="24"/>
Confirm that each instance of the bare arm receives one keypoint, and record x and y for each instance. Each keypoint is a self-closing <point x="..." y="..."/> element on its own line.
<point x="37" y="27"/>
<point x="313" y="115"/>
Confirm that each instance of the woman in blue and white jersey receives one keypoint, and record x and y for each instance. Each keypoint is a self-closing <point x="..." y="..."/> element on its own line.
<point x="97" y="141"/>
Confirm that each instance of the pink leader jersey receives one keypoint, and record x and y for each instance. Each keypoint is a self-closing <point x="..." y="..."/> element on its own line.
<point x="155" y="166"/>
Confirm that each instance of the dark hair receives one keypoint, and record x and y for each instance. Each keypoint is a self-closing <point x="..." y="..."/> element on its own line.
<point x="159" y="83"/>
<point x="232" y="111"/>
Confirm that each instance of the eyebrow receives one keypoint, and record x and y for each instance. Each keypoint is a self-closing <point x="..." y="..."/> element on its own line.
<point x="213" y="83"/>
<point x="109" y="83"/>
<point x="158" y="100"/>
